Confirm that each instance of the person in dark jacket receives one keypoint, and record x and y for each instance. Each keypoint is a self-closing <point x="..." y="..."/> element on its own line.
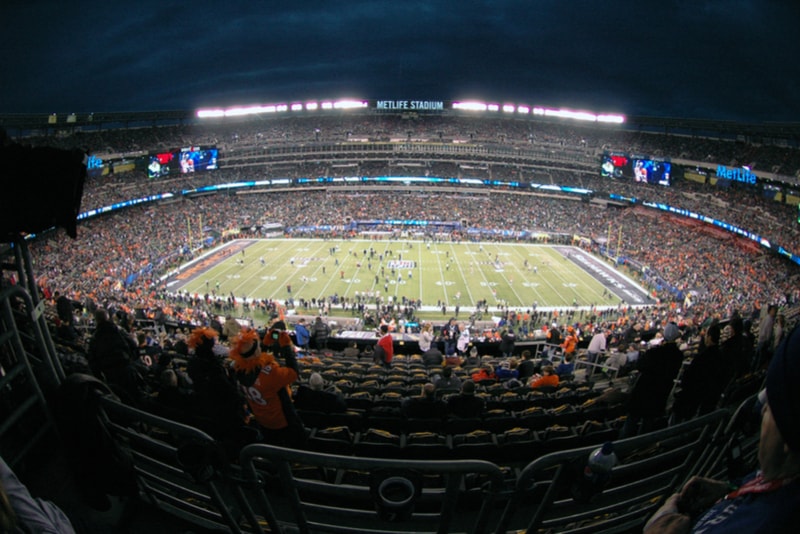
<point x="314" y="397"/>
<point x="425" y="406"/>
<point x="767" y="499"/>
<point x="704" y="378"/>
<point x="112" y="353"/>
<point x="466" y="404"/>
<point x="658" y="368"/>
<point x="218" y="404"/>
<point x="507" y="342"/>
<point x="321" y="331"/>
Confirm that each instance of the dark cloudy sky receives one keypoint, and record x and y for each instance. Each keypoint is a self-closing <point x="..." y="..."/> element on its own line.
<point x="720" y="59"/>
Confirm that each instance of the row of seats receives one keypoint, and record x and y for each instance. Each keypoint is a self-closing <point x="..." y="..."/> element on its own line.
<point x="512" y="447"/>
<point x="178" y="469"/>
<point x="537" y="417"/>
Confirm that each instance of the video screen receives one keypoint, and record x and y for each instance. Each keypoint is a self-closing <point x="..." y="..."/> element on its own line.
<point x="187" y="160"/>
<point x="159" y="164"/>
<point x="614" y="165"/>
<point x="639" y="169"/>
<point x="197" y="159"/>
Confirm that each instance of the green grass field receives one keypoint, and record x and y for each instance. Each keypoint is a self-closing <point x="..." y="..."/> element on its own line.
<point x="517" y="275"/>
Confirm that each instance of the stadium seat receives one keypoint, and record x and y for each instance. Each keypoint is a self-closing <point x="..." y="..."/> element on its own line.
<point x="650" y="467"/>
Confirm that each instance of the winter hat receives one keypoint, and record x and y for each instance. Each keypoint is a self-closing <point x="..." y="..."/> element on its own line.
<point x="782" y="391"/>
<point x="202" y="341"/>
<point x="246" y="351"/>
<point x="671" y="332"/>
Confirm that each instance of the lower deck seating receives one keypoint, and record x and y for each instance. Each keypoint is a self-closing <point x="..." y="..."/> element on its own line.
<point x="181" y="470"/>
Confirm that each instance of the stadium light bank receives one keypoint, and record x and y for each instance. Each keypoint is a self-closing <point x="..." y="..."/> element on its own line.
<point x="469" y="106"/>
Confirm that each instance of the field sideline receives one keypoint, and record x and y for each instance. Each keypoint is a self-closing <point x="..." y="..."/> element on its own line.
<point x="438" y="273"/>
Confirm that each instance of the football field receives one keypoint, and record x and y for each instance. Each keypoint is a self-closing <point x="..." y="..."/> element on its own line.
<point x="437" y="273"/>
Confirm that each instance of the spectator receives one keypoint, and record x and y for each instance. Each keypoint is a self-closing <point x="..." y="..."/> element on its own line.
<point x="466" y="404"/>
<point x="507" y="369"/>
<point x="266" y="385"/>
<point x="171" y="401"/>
<point x="704" y="379"/>
<point x="384" y="348"/>
<point x="230" y="328"/>
<point x="218" y="403"/>
<point x="527" y="367"/>
<point x="22" y="512"/>
<point x="507" y="342"/>
<point x="566" y="367"/>
<point x="548" y="378"/>
<point x="597" y="345"/>
<point x="315" y="397"/>
<point x="425" y="406"/>
<point x="658" y="368"/>
<point x="425" y="337"/>
<point x="321" y="331"/>
<point x="450" y="334"/>
<point x="484" y="374"/>
<point x="112" y="353"/>
<point x="570" y="343"/>
<point x="767" y="500"/>
<point x="463" y="341"/>
<point x="277" y="340"/>
<point x="433" y="357"/>
<point x="554" y="340"/>
<point x="447" y="380"/>
<point x="735" y="349"/>
<point x="301" y="334"/>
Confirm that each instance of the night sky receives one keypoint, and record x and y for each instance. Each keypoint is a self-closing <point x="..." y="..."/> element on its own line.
<point x="716" y="59"/>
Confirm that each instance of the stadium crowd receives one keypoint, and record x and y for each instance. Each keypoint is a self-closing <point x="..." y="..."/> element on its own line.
<point x="112" y="248"/>
<point x="114" y="266"/>
<point x="543" y="153"/>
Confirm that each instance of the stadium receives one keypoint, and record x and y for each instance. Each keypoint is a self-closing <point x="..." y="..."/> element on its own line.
<point x="509" y="218"/>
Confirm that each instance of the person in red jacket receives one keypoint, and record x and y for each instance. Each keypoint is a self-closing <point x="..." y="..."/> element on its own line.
<point x="265" y="384"/>
<point x="385" y="347"/>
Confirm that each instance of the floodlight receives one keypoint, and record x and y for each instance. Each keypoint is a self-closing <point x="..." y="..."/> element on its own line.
<point x="470" y="106"/>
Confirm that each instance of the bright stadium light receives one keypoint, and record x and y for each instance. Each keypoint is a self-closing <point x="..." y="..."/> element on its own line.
<point x="470" y="106"/>
<point x="210" y="113"/>
<point x="311" y="106"/>
<point x="349" y="104"/>
<point x="493" y="107"/>
<point x="615" y="119"/>
<point x="523" y="109"/>
<point x="297" y="107"/>
<point x="327" y="105"/>
<point x="508" y="108"/>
